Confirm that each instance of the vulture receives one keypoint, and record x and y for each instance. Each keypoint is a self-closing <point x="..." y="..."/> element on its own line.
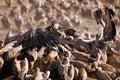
<point x="34" y="38"/>
<point x="8" y="2"/>
<point x="104" y="17"/>
<point x="38" y="38"/>
<point x="18" y="21"/>
<point x="5" y="21"/>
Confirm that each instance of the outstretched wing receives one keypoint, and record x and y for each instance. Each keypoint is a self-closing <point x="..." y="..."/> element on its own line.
<point x="40" y="38"/>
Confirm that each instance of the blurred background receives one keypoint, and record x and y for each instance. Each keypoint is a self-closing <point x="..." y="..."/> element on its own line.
<point x="77" y="14"/>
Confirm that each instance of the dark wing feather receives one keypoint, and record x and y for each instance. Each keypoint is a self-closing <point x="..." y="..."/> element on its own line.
<point x="40" y="38"/>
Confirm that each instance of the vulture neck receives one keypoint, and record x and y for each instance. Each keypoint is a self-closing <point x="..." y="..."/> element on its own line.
<point x="102" y="23"/>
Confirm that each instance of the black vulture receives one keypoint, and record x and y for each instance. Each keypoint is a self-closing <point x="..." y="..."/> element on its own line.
<point x="34" y="38"/>
<point x="38" y="38"/>
<point x="104" y="17"/>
